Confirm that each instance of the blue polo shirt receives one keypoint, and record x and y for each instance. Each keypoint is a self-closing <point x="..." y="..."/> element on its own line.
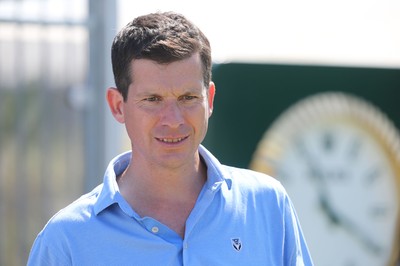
<point x="241" y="217"/>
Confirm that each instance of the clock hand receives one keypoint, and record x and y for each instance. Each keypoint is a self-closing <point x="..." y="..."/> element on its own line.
<point x="359" y="234"/>
<point x="333" y="216"/>
<point x="347" y="224"/>
<point x="317" y="175"/>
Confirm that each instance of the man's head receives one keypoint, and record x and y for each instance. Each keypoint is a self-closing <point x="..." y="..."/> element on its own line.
<point x="160" y="37"/>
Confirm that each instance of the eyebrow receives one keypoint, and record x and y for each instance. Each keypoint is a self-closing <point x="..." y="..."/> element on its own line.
<point x="156" y="92"/>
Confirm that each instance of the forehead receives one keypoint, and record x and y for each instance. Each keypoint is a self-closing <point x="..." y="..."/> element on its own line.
<point x="184" y="73"/>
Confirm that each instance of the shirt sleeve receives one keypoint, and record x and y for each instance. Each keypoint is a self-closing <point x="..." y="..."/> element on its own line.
<point x="46" y="253"/>
<point x="296" y="252"/>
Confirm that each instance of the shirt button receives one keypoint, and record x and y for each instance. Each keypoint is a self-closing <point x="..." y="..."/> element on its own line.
<point x="155" y="229"/>
<point x="185" y="245"/>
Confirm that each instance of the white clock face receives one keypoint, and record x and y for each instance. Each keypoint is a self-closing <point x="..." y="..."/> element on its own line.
<point x="338" y="158"/>
<point x="345" y="193"/>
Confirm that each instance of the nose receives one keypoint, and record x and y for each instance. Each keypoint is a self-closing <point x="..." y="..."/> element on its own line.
<point x="172" y="115"/>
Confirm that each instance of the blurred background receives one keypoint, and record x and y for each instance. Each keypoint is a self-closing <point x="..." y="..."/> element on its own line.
<point x="57" y="136"/>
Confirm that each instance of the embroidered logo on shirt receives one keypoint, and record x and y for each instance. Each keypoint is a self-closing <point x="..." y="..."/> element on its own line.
<point x="236" y="244"/>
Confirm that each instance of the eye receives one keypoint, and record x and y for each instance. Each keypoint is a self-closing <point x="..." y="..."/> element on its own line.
<point x="153" y="99"/>
<point x="188" y="97"/>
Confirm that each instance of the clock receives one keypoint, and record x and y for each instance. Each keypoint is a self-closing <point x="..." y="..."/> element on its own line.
<point x="338" y="157"/>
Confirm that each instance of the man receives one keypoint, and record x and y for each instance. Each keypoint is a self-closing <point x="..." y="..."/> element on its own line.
<point x="169" y="201"/>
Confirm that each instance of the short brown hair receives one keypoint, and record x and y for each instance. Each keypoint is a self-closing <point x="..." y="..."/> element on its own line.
<point x="161" y="37"/>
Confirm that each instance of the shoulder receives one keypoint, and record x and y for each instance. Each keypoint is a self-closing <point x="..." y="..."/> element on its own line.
<point x="253" y="179"/>
<point x="53" y="243"/>
<point x="80" y="209"/>
<point x="249" y="185"/>
<point x="245" y="177"/>
<point x="76" y="213"/>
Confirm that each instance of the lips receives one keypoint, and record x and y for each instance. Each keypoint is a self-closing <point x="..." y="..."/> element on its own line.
<point x="172" y="140"/>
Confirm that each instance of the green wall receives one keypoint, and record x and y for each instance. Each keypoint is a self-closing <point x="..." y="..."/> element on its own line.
<point x="250" y="97"/>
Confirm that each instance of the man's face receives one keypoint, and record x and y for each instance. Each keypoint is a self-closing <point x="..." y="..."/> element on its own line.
<point x="167" y="110"/>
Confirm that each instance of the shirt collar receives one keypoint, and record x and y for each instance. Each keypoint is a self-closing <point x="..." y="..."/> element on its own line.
<point x="110" y="194"/>
<point x="216" y="173"/>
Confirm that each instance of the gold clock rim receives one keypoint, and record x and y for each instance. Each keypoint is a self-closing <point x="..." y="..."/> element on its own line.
<point x="333" y="105"/>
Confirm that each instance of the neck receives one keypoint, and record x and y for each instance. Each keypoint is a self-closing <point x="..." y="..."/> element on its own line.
<point x="162" y="183"/>
<point x="167" y="196"/>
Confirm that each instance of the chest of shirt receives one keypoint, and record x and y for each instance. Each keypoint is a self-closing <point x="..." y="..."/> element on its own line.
<point x="219" y="231"/>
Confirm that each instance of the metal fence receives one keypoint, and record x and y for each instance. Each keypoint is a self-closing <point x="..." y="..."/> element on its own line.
<point x="44" y="84"/>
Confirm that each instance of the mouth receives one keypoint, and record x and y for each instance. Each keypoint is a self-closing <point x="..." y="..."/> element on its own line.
<point x="171" y="140"/>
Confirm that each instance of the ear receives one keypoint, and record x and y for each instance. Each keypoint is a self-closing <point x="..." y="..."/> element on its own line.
<point x="115" y="102"/>
<point x="211" y="94"/>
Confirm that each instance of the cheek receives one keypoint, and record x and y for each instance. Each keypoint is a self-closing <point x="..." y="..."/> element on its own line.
<point x="201" y="120"/>
<point x="140" y="123"/>
<point x="132" y="123"/>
